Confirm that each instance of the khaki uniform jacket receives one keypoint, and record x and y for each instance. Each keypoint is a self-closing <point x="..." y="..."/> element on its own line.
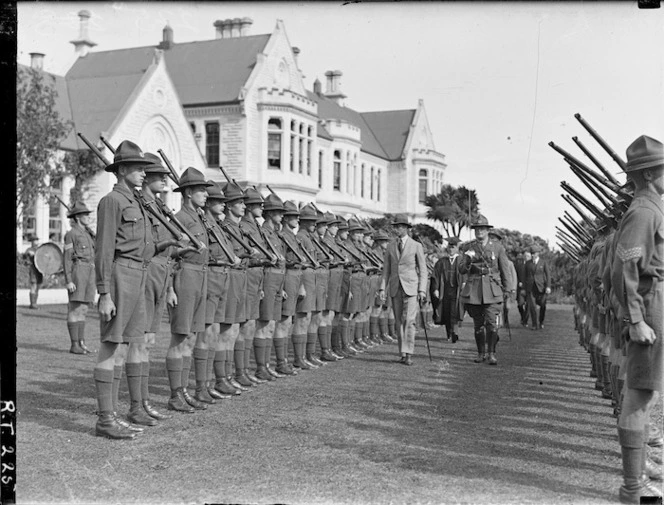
<point x="488" y="273"/>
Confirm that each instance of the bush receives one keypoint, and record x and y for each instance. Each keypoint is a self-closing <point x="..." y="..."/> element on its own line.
<point x="54" y="281"/>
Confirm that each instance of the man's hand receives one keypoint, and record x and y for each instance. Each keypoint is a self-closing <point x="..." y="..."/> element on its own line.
<point x="436" y="293"/>
<point x="301" y="293"/>
<point x="179" y="251"/>
<point x="547" y="291"/>
<point x="106" y="307"/>
<point x="171" y="298"/>
<point x="381" y="295"/>
<point x="641" y="333"/>
<point x="421" y="297"/>
<point x="284" y="295"/>
<point x="470" y="253"/>
<point x="261" y="294"/>
<point x="236" y="261"/>
<point x="71" y="287"/>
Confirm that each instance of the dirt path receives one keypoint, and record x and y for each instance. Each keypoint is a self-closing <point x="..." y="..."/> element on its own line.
<point x="364" y="430"/>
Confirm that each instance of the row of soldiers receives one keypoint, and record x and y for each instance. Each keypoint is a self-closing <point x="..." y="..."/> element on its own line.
<point x="302" y="279"/>
<point x="619" y="311"/>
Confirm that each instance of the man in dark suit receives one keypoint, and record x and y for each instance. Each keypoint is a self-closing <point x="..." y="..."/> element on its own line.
<point x="405" y="279"/>
<point x="445" y="284"/>
<point x="537" y="287"/>
<point x="520" y="265"/>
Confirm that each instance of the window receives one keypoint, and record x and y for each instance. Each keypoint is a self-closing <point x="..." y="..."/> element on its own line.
<point x="274" y="144"/>
<point x="423" y="186"/>
<point x="362" y="181"/>
<point x="378" y="185"/>
<point x="212" y="144"/>
<point x="192" y="125"/>
<point x="310" y="148"/>
<point x="320" y="170"/>
<point x="293" y="146"/>
<point x="371" y="183"/>
<point x="336" y="172"/>
<point x="347" y="171"/>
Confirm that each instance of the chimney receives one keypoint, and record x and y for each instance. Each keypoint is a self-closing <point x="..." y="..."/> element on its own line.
<point x="235" y="27"/>
<point x="317" y="87"/>
<point x="37" y="61"/>
<point x="83" y="44"/>
<point x="245" y="23"/>
<point x="333" y="87"/>
<point x="218" y="29"/>
<point x="167" y="38"/>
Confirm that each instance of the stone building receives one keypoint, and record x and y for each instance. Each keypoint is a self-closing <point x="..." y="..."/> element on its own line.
<point x="239" y="101"/>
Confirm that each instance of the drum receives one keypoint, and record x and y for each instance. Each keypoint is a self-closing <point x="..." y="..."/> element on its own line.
<point x="48" y="258"/>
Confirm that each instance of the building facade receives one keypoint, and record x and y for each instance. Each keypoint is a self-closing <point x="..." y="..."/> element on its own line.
<point x="239" y="102"/>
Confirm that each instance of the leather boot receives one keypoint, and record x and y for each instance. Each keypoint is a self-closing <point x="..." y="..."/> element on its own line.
<point x="300" y="363"/>
<point x="137" y="415"/>
<point x="367" y="341"/>
<point x="285" y="368"/>
<point x="216" y="394"/>
<point x="652" y="470"/>
<point x="81" y="342"/>
<point x="655" y="436"/>
<point x="326" y="355"/>
<point x="203" y="396"/>
<point x="481" y="356"/>
<point x="311" y="365"/>
<point x="492" y="358"/>
<point x="311" y="358"/>
<point x="177" y="403"/>
<point x="127" y="425"/>
<point x="388" y="338"/>
<point x="224" y="387"/>
<point x="152" y="412"/>
<point x="358" y="344"/>
<point x="263" y="374"/>
<point x="253" y="378"/>
<point x="76" y="348"/>
<point x="274" y="373"/>
<point x="338" y="354"/>
<point x="192" y="401"/>
<point x="632" y="447"/>
<point x="242" y="379"/>
<point x="236" y="384"/>
<point x="108" y="427"/>
<point x="351" y="350"/>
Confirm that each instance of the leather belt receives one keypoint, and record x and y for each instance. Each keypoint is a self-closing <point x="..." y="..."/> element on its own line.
<point x="193" y="266"/>
<point x="83" y="260"/>
<point x="275" y="270"/>
<point x="127" y="262"/>
<point x="162" y="260"/>
<point x="480" y="270"/>
<point x="219" y="268"/>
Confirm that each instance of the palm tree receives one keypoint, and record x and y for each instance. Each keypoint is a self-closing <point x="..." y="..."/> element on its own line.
<point x="454" y="207"/>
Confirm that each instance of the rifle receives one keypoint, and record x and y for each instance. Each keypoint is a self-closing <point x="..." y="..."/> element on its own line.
<point x="94" y="149"/>
<point x="292" y="249"/>
<point x="613" y="205"/>
<point x="573" y="232"/>
<point x="575" y="226"/>
<point x="588" y="221"/>
<point x="594" y="210"/>
<point x="587" y="183"/>
<point x="576" y="249"/>
<point x="573" y="239"/>
<point x="604" y="145"/>
<point x="587" y="152"/>
<point x="110" y="147"/>
<point x="172" y="173"/>
<point x="307" y="254"/>
<point x="213" y="234"/>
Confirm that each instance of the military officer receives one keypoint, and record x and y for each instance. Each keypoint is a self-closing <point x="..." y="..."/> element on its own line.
<point x="485" y="263"/>
<point x="79" y="269"/>
<point x="638" y="283"/>
<point x="123" y="249"/>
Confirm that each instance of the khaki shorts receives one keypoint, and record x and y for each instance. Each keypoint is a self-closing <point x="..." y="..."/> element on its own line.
<point x="83" y="275"/>
<point x="308" y="303"/>
<point x="322" y="277"/>
<point x="334" y="289"/>
<point x="218" y="281"/>
<point x="254" y="286"/>
<point x="155" y="292"/>
<point x="292" y="282"/>
<point x="236" y="299"/>
<point x="190" y="285"/>
<point x="271" y="304"/>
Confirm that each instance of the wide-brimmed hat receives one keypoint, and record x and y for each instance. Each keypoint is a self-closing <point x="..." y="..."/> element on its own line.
<point x="78" y="208"/>
<point x="31" y="237"/>
<point x="273" y="203"/>
<point x="644" y="152"/>
<point x="308" y="213"/>
<point x="401" y="219"/>
<point x="321" y="219"/>
<point x="380" y="235"/>
<point x="481" y="222"/>
<point x="127" y="152"/>
<point x="191" y="177"/>
<point x="233" y="192"/>
<point x="343" y="224"/>
<point x="155" y="166"/>
<point x="453" y="241"/>
<point x="332" y="220"/>
<point x="290" y="209"/>
<point x="535" y="249"/>
<point x="494" y="233"/>
<point x="214" y="191"/>
<point x="252" y="195"/>
<point x="354" y="225"/>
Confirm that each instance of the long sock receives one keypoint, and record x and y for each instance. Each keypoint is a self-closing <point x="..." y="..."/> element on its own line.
<point x="286" y="347"/>
<point x="72" y="328"/>
<point x="229" y="362"/>
<point x="219" y="365"/>
<point x="247" y="353"/>
<point x="382" y="324"/>
<point x="117" y="376"/>
<point x="81" y="330"/>
<point x="267" y="353"/>
<point x="311" y="343"/>
<point x="480" y="340"/>
<point x="279" y="349"/>
<point x="186" y="367"/>
<point x="238" y="355"/>
<point x="174" y="371"/>
<point x="259" y="351"/>
<point x="343" y="332"/>
<point x="365" y="329"/>
<point x="104" y="388"/>
<point x="298" y="342"/>
<point x="328" y="336"/>
<point x="209" y="374"/>
<point x="134" y="371"/>
<point x="358" y="331"/>
<point x="200" y="365"/>
<point x="145" y="380"/>
<point x="392" y="326"/>
<point x="373" y="325"/>
<point x="334" y="337"/>
<point x="322" y="332"/>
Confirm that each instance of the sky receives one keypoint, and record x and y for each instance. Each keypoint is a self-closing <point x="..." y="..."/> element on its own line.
<point x="499" y="80"/>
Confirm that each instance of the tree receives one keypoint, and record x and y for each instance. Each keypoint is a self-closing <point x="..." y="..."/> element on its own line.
<point x="83" y="165"/>
<point x="39" y="132"/>
<point x="454" y="207"/>
<point x="427" y="233"/>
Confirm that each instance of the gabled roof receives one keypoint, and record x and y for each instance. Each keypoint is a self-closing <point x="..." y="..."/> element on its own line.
<point x="383" y="133"/>
<point x="391" y="128"/>
<point x="203" y="72"/>
<point x="62" y="105"/>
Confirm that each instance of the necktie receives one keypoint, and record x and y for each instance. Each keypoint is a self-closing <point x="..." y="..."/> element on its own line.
<point x="400" y="246"/>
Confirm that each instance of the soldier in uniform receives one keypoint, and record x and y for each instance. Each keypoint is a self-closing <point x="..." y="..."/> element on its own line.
<point x="123" y="249"/>
<point x="371" y="328"/>
<point x="446" y="286"/>
<point x="383" y="305"/>
<point x="485" y="263"/>
<point x="333" y="301"/>
<point x="187" y="313"/>
<point x="79" y="268"/>
<point x="35" y="276"/>
<point x="638" y="283"/>
<point x="405" y="277"/>
<point x="343" y="317"/>
<point x="359" y="286"/>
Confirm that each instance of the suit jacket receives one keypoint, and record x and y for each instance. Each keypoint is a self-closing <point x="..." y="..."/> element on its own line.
<point x="408" y="269"/>
<point x="448" y="281"/>
<point x="537" y="275"/>
<point x="520" y="267"/>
